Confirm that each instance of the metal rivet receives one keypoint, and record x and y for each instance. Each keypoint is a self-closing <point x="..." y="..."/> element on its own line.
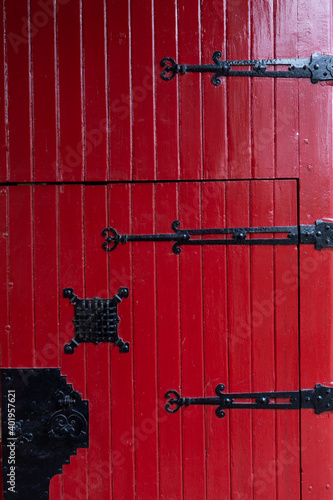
<point x="316" y="66"/>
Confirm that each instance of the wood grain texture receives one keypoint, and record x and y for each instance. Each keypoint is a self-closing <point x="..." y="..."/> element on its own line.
<point x="315" y="146"/>
<point x="18" y="83"/>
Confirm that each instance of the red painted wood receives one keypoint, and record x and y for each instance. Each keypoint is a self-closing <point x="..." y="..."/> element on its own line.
<point x="95" y="91"/>
<point x="239" y="92"/>
<point x="20" y="284"/>
<point x="215" y="341"/>
<point x="46" y="280"/>
<point x="19" y="103"/>
<point x="214" y="100"/>
<point x="143" y="117"/>
<point x="89" y="81"/>
<point x="262" y="319"/>
<point x="70" y="86"/>
<point x="3" y="103"/>
<point x="169" y="345"/>
<point x="46" y="288"/>
<point x="119" y="120"/>
<point x="44" y="91"/>
<point x="123" y="424"/>
<point x="189" y="20"/>
<point x="71" y="274"/>
<point x="194" y="473"/>
<point x="286" y="94"/>
<point x="262" y="96"/>
<point x="286" y="350"/>
<point x="167" y="32"/>
<point x="98" y="374"/>
<point x="240" y="341"/>
<point x="215" y="146"/>
<point x="144" y="345"/>
<point x="315" y="122"/>
<point x="5" y="338"/>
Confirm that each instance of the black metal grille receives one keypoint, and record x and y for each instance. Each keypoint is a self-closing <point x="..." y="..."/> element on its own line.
<point x="96" y="320"/>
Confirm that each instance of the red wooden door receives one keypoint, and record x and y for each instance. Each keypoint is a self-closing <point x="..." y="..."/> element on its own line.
<point x="91" y="137"/>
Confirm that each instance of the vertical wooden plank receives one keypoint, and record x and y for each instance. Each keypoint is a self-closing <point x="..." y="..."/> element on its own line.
<point x="169" y="346"/>
<point x="262" y="96"/>
<point x="286" y="474"/>
<point x="5" y="337"/>
<point x="192" y="346"/>
<point x="46" y="298"/>
<point x="215" y="340"/>
<point x="98" y="356"/>
<point x="125" y="438"/>
<point x="263" y="355"/>
<point x="167" y="119"/>
<point x="119" y="126"/>
<point x="215" y="107"/>
<point x="44" y="90"/>
<point x="240" y="341"/>
<point x="143" y="98"/>
<point x="189" y="24"/>
<point x="3" y="99"/>
<point x="94" y="91"/>
<point x="144" y="344"/>
<point x="315" y="122"/>
<point x="20" y="284"/>
<point x="239" y="93"/>
<point x="18" y="71"/>
<point x="71" y="272"/>
<point x="69" y="71"/>
<point x="46" y="288"/>
<point x="286" y="93"/>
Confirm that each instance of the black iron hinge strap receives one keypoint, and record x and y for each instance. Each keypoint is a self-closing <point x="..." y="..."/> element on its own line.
<point x="318" y="68"/>
<point x="320" y="399"/>
<point x="320" y="234"/>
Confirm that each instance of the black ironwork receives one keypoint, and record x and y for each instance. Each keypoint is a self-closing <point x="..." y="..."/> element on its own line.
<point x="318" y="68"/>
<point x="96" y="320"/>
<point x="44" y="422"/>
<point x="320" y="399"/>
<point x="320" y="234"/>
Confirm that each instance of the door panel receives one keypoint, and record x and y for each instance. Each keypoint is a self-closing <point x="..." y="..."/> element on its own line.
<point x="82" y="98"/>
<point x="213" y="314"/>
